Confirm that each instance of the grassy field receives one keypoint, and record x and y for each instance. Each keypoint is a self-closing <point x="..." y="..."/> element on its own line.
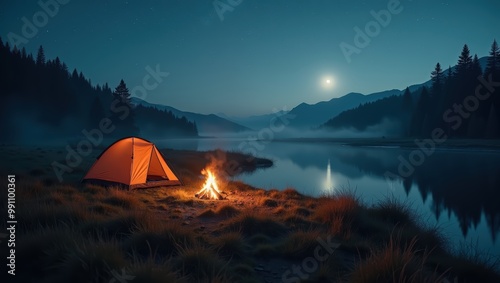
<point x="70" y="232"/>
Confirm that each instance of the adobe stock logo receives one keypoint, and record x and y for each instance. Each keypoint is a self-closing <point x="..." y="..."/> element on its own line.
<point x="221" y="7"/>
<point x="372" y="29"/>
<point x="40" y="19"/>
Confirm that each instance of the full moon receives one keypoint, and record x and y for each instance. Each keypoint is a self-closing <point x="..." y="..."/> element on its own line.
<point x="327" y="82"/>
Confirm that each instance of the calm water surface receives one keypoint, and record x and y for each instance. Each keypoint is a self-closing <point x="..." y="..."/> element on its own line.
<point x="458" y="190"/>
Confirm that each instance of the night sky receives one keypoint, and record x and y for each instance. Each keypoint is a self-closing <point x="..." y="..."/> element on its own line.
<point x="258" y="54"/>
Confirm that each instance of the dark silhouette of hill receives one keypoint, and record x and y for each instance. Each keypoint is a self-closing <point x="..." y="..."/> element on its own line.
<point x="369" y="114"/>
<point x="309" y="115"/>
<point x="207" y="124"/>
<point x="43" y="101"/>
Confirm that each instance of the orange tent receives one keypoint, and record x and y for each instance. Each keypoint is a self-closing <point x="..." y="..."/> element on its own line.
<point x="134" y="162"/>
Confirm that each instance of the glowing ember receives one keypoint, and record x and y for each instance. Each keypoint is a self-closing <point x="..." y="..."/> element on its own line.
<point x="210" y="189"/>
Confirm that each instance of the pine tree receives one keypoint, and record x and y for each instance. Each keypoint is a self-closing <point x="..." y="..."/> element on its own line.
<point x="407" y="100"/>
<point x="464" y="61"/>
<point x="476" y="69"/>
<point x="492" y="73"/>
<point x="124" y="120"/>
<point x="493" y="64"/>
<point x="40" y="57"/>
<point x="437" y="80"/>
<point x="122" y="93"/>
<point x="464" y="86"/>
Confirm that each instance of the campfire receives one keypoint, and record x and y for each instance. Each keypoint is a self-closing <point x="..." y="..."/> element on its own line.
<point x="210" y="189"/>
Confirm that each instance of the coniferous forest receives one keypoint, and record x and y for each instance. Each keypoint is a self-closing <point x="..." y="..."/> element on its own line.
<point x="461" y="101"/>
<point x="42" y="100"/>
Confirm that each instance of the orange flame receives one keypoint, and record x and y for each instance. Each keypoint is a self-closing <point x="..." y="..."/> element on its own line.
<point x="210" y="188"/>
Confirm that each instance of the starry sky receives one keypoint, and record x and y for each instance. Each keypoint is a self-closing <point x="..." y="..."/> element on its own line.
<point x="246" y="57"/>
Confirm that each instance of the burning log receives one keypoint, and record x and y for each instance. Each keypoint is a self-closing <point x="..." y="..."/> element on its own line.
<point x="210" y="189"/>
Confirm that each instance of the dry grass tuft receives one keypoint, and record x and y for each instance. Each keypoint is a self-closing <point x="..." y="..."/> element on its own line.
<point x="250" y="224"/>
<point x="396" y="262"/>
<point x="230" y="245"/>
<point x="201" y="264"/>
<point x="159" y="244"/>
<point x="338" y="212"/>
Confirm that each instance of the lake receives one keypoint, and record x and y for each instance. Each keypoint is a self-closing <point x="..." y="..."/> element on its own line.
<point x="456" y="189"/>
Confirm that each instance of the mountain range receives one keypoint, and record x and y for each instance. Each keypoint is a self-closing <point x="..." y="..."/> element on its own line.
<point x="207" y="124"/>
<point x="307" y="116"/>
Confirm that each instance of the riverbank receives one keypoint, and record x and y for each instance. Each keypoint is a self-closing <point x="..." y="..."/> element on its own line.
<point x="86" y="233"/>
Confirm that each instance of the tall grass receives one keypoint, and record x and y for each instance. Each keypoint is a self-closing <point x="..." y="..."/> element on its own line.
<point x="396" y="262"/>
<point x="472" y="264"/>
<point x="89" y="261"/>
<point x="339" y="212"/>
<point x="230" y="245"/>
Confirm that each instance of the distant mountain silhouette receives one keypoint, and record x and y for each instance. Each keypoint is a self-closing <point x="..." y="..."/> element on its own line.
<point x="206" y="124"/>
<point x="308" y="115"/>
<point x="255" y="122"/>
<point x="314" y="115"/>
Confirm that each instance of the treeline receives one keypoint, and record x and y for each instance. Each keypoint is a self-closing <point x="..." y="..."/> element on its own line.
<point x="373" y="113"/>
<point x="463" y="101"/>
<point x="154" y="121"/>
<point x="42" y="100"/>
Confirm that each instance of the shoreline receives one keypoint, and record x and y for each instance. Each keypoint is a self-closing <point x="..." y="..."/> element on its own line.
<point x="401" y="142"/>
